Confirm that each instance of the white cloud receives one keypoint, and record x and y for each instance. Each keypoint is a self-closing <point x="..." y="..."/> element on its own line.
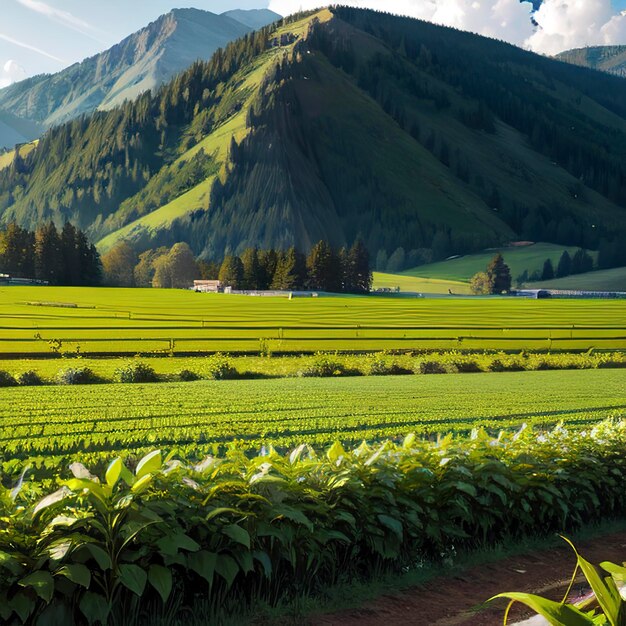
<point x="11" y="72"/>
<point x="61" y="17"/>
<point x="563" y="24"/>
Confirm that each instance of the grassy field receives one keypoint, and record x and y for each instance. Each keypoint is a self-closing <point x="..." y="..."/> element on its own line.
<point x="529" y="258"/>
<point x="200" y="416"/>
<point x="603" y="280"/>
<point x="125" y="321"/>
<point x="418" y="284"/>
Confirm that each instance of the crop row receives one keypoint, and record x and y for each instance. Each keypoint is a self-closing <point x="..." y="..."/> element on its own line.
<point x="237" y="530"/>
<point x="94" y="420"/>
<point x="219" y="367"/>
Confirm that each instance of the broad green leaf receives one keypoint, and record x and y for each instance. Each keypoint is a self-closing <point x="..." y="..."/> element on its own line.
<point x="392" y="524"/>
<point x="223" y="511"/>
<point x="10" y="563"/>
<point x="80" y="471"/>
<point x="161" y="579"/>
<point x="101" y="557"/>
<point x="264" y="559"/>
<point x="150" y="463"/>
<point x="556" y="613"/>
<point x="22" y="605"/>
<point x="466" y="488"/>
<point x="227" y="568"/>
<point x="605" y="589"/>
<point x="142" y="484"/>
<point x="95" y="608"/>
<point x="238" y="534"/>
<point x="336" y="452"/>
<point x="42" y="582"/>
<point x="133" y="578"/>
<point x="203" y="563"/>
<point x="114" y="471"/>
<point x="77" y="573"/>
<point x="171" y="544"/>
<point x="53" y="498"/>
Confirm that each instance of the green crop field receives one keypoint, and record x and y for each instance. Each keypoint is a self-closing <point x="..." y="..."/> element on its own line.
<point x="603" y="280"/>
<point x="529" y="258"/>
<point x="57" y="421"/>
<point x="42" y="320"/>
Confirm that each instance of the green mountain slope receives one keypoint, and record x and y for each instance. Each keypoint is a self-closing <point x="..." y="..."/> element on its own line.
<point x="611" y="59"/>
<point x="143" y="61"/>
<point x="603" y="280"/>
<point x="344" y="123"/>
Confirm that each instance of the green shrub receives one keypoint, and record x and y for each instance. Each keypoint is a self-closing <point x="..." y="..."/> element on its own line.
<point x="29" y="379"/>
<point x="430" y="367"/>
<point x="324" y="366"/>
<point x="463" y="366"/>
<point x="188" y="376"/>
<point x="381" y="367"/>
<point x="77" y="376"/>
<point x="218" y="367"/>
<point x="6" y="380"/>
<point x="136" y="372"/>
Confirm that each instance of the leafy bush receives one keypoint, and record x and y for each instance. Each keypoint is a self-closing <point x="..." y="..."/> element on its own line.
<point x="218" y="367"/>
<point x="77" y="376"/>
<point x="324" y="366"/>
<point x="463" y="366"/>
<point x="136" y="372"/>
<point x="379" y="366"/>
<point x="6" y="380"/>
<point x="29" y="379"/>
<point x="430" y="367"/>
<point x="188" y="376"/>
<point x="255" y="528"/>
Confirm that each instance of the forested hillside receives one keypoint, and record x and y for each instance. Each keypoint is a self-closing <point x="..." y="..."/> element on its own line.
<point x="142" y="61"/>
<point x="339" y="124"/>
<point x="610" y="59"/>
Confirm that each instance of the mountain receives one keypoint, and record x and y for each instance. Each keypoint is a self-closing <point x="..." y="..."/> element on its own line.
<point x="143" y="61"/>
<point x="14" y="130"/>
<point x="253" y="18"/>
<point x="611" y="59"/>
<point x="343" y="123"/>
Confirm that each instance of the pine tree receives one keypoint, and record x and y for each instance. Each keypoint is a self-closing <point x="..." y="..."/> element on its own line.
<point x="48" y="260"/>
<point x="321" y="264"/>
<point x="286" y="276"/>
<point x="500" y="273"/>
<point x="268" y="260"/>
<point x="360" y="267"/>
<point x="564" y="268"/>
<point x="548" y="270"/>
<point x="252" y="276"/>
<point x="231" y="272"/>
<point x="72" y="263"/>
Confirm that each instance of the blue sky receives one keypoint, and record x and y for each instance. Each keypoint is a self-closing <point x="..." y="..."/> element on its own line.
<point x="46" y="35"/>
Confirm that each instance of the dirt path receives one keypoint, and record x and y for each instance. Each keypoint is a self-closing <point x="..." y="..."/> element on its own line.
<point x="458" y="601"/>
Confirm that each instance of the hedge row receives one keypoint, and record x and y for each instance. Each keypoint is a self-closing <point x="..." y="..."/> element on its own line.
<point x="235" y="530"/>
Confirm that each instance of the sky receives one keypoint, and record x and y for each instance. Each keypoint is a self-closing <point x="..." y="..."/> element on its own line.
<point x="39" y="36"/>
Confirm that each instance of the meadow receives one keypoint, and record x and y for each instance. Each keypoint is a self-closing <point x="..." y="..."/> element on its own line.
<point x="198" y="417"/>
<point x="91" y="321"/>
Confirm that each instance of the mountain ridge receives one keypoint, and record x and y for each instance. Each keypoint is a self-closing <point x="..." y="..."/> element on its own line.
<point x="338" y="124"/>
<point x="610" y="59"/>
<point x="144" y="60"/>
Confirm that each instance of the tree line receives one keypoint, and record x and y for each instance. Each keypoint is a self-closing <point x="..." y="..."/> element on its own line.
<point x="578" y="263"/>
<point x="61" y="258"/>
<point x="346" y="270"/>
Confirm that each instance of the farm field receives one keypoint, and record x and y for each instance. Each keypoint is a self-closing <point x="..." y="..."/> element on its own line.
<point x="419" y="284"/>
<point x="198" y="417"/>
<point x="529" y="258"/>
<point x="47" y="321"/>
<point x="602" y="280"/>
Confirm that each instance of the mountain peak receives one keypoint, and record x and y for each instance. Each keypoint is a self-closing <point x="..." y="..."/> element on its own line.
<point x="142" y="61"/>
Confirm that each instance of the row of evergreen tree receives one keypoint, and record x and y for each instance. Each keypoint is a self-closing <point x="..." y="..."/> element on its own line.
<point x="578" y="263"/>
<point x="60" y="258"/>
<point x="324" y="269"/>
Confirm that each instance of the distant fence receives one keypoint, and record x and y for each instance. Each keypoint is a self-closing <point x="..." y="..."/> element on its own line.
<point x="569" y="293"/>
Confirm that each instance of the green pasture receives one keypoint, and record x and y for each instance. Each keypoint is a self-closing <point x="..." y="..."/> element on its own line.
<point x="47" y="321"/>
<point x="602" y="280"/>
<point x="417" y="284"/>
<point x="530" y="258"/>
<point x="196" y="417"/>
